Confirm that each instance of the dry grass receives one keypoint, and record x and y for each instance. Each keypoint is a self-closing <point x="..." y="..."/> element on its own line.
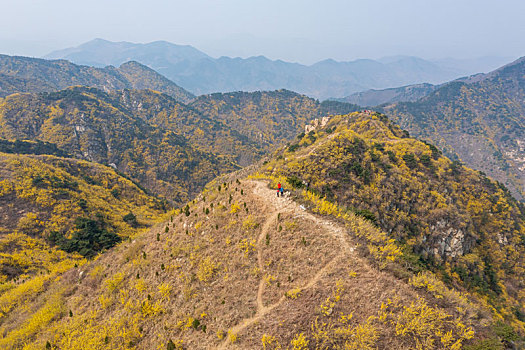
<point x="242" y="292"/>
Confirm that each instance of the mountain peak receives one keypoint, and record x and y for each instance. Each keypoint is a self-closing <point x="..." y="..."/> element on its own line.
<point x="38" y="75"/>
<point x="201" y="74"/>
<point x="101" y="53"/>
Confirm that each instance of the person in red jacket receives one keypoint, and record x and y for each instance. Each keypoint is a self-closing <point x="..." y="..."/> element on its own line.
<point x="279" y="189"/>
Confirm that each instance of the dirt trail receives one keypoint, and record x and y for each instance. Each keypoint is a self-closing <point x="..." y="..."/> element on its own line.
<point x="271" y="220"/>
<point x="275" y="205"/>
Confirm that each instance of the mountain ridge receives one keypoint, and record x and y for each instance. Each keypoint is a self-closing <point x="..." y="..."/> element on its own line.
<point x="203" y="74"/>
<point x="94" y="125"/>
<point x="25" y="74"/>
<point x="238" y="267"/>
<point x="478" y="119"/>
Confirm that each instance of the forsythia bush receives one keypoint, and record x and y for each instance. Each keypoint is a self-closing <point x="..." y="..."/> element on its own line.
<point x="428" y="327"/>
<point x="380" y="246"/>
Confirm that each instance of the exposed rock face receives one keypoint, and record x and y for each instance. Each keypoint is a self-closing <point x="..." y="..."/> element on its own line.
<point x="447" y="241"/>
<point x="316" y="123"/>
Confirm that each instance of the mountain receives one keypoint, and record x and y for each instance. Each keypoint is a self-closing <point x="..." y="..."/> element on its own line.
<point x="102" y="53"/>
<point x="372" y="97"/>
<point x="470" y="66"/>
<point x="478" y="119"/>
<point x="476" y="69"/>
<point x="56" y="210"/>
<point x="269" y="118"/>
<point x="141" y="77"/>
<point x="93" y="125"/>
<point x="238" y="267"/>
<point x="441" y="215"/>
<point x="172" y="149"/>
<point x="25" y="74"/>
<point x="202" y="74"/>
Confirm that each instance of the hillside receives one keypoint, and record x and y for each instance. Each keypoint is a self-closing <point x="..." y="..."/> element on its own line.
<point x="25" y="74"/>
<point x="32" y="147"/>
<point x="92" y="125"/>
<point x="445" y="217"/>
<point x="239" y="268"/>
<point x="203" y="132"/>
<point x="269" y="118"/>
<point x="55" y="210"/>
<point x="201" y="74"/>
<point x="479" y="120"/>
<point x="171" y="148"/>
<point x="265" y="275"/>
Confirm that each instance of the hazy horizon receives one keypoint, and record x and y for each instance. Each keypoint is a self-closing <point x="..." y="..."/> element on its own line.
<point x="297" y="31"/>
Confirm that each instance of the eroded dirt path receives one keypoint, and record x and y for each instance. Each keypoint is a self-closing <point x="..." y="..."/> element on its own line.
<point x="275" y="205"/>
<point x="266" y="227"/>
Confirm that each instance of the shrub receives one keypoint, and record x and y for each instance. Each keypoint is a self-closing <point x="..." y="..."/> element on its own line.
<point x="232" y="337"/>
<point x="234" y="208"/>
<point x="295" y="181"/>
<point x="206" y="270"/>
<point x="130" y="219"/>
<point x="299" y="342"/>
<point x="425" y="160"/>
<point x="293" y="148"/>
<point x="89" y="238"/>
<point x="410" y="160"/>
<point x="504" y="331"/>
<point x="367" y="214"/>
<point x="293" y="293"/>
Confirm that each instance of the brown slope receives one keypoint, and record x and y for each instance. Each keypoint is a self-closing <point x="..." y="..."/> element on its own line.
<point x="216" y="278"/>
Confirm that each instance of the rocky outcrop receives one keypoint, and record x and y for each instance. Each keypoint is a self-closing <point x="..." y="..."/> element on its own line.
<point x="446" y="241"/>
<point x="315" y="124"/>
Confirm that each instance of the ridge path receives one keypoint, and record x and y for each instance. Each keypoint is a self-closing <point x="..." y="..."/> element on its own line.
<point x="275" y="205"/>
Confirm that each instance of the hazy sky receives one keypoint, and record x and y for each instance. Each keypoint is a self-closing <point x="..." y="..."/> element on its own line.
<point x="294" y="30"/>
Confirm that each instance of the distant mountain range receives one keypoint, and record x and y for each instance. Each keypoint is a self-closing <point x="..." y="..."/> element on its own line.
<point x="372" y="97"/>
<point x="202" y="74"/>
<point x="409" y="93"/>
<point x="25" y="74"/>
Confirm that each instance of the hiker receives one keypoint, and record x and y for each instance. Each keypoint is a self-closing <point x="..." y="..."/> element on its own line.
<point x="279" y="189"/>
<point x="282" y="191"/>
